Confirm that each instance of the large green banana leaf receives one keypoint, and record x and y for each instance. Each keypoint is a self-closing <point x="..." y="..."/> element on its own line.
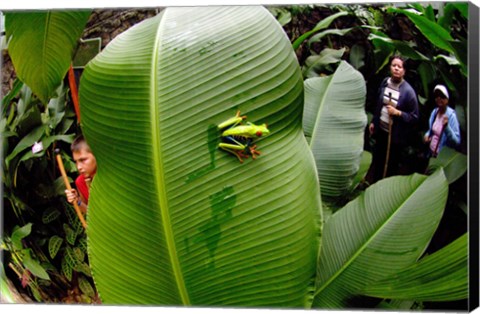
<point x="442" y="276"/>
<point x="6" y="295"/>
<point x="41" y="45"/>
<point x="321" y="25"/>
<point x="172" y="219"/>
<point x="439" y="36"/>
<point x="454" y="164"/>
<point x="435" y="33"/>
<point x="380" y="233"/>
<point x="334" y="119"/>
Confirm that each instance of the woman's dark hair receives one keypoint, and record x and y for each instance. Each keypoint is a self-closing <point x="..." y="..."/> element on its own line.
<point x="401" y="58"/>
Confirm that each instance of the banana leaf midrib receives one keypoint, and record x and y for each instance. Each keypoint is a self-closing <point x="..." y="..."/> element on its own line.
<point x="158" y="171"/>
<point x="224" y="256"/>
<point x="403" y="288"/>
<point x="365" y="245"/>
<point x="44" y="50"/>
<point x="450" y="161"/>
<point x="319" y="112"/>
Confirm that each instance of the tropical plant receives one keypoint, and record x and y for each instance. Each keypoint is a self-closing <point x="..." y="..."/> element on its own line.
<point x="44" y="242"/>
<point x="371" y="237"/>
<point x="433" y="278"/>
<point x="320" y="26"/>
<point x="54" y="223"/>
<point x="173" y="220"/>
<point x="22" y="258"/>
<point x="453" y="163"/>
<point x="333" y="121"/>
<point x="168" y="195"/>
<point x="51" y="244"/>
<point x="437" y="50"/>
<point x="432" y="36"/>
<point x="283" y="15"/>
<point x="443" y="51"/>
<point x="223" y="231"/>
<point x="53" y="43"/>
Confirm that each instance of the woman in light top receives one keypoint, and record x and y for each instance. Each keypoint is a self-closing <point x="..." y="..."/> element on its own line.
<point x="443" y="124"/>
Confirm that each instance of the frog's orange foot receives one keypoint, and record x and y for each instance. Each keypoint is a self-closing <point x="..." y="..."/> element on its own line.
<point x="254" y="152"/>
<point x="241" y="155"/>
<point x="239" y="116"/>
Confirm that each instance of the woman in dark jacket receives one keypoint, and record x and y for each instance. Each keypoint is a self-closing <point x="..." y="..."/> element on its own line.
<point x="395" y="113"/>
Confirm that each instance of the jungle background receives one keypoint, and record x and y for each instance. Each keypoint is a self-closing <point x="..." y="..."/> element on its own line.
<point x="44" y="245"/>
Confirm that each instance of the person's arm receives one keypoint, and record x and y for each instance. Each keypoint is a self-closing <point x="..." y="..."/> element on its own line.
<point x="82" y="204"/>
<point x="428" y="135"/>
<point x="452" y="129"/>
<point x="409" y="112"/>
<point x="378" y="107"/>
<point x="74" y="197"/>
<point x="371" y="128"/>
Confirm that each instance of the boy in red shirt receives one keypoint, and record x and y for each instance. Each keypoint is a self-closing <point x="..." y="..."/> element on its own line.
<point x="87" y="167"/>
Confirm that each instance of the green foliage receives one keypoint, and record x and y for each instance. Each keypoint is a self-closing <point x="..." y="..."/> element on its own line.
<point x="333" y="120"/>
<point x="282" y="15"/>
<point x="86" y="287"/>
<point x="318" y="37"/>
<point x="453" y="163"/>
<point x="33" y="265"/>
<point x="50" y="215"/>
<point x="438" y="35"/>
<point x="178" y="219"/>
<point x="54" y="245"/>
<point x="35" y="196"/>
<point x="326" y="61"/>
<point x="383" y="42"/>
<point x="70" y="234"/>
<point x="18" y="235"/>
<point x="376" y="235"/>
<point x="381" y="232"/>
<point x="16" y="246"/>
<point x="170" y="210"/>
<point x="41" y="45"/>
<point x="5" y="293"/>
<point x="442" y="276"/>
<point x="321" y="25"/>
<point x="357" y="56"/>
<point x="364" y="166"/>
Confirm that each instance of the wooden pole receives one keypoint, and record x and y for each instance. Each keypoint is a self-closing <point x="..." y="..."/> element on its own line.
<point x="67" y="184"/>
<point x="390" y="123"/>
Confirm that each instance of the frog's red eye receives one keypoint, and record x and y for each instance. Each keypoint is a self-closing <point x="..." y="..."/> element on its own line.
<point x="259" y="133"/>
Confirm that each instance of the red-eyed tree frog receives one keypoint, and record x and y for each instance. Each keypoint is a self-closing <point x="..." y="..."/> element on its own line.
<point x="237" y="138"/>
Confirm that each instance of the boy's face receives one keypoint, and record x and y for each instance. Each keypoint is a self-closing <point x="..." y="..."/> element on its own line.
<point x="86" y="162"/>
